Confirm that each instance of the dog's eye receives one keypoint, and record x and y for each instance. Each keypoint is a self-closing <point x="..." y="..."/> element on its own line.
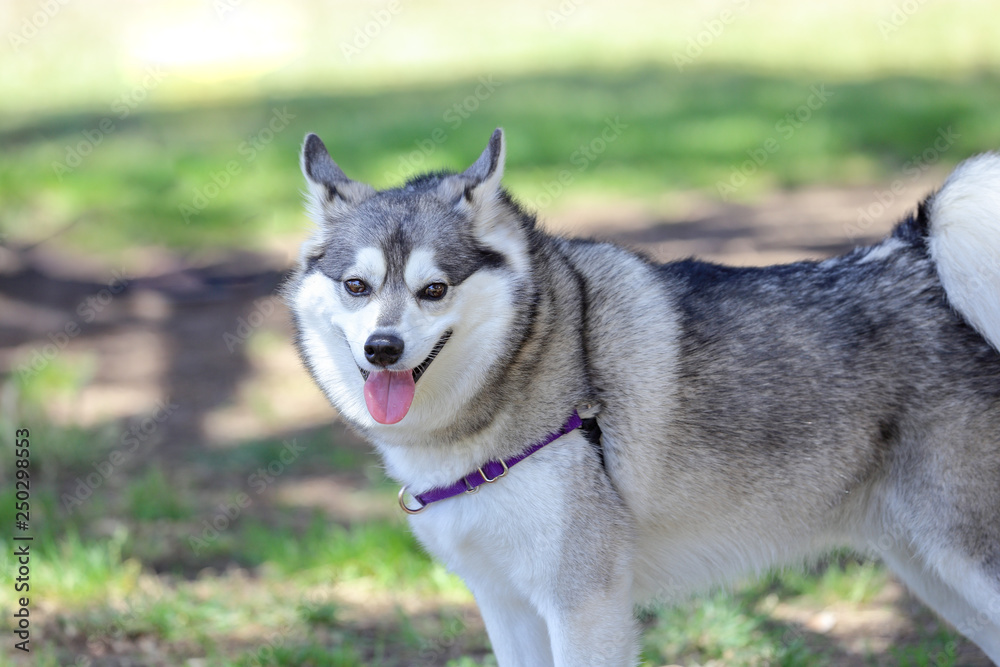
<point x="356" y="287"/>
<point x="434" y="291"/>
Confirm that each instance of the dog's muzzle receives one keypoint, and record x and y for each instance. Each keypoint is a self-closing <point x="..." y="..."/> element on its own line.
<point x="420" y="368"/>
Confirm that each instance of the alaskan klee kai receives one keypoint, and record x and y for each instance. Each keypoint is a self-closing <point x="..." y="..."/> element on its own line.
<point x="581" y="430"/>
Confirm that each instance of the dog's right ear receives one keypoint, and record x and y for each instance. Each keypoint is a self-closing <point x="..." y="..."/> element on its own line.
<point x="330" y="190"/>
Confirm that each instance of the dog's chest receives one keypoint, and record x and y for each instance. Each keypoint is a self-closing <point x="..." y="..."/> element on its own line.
<point x="513" y="529"/>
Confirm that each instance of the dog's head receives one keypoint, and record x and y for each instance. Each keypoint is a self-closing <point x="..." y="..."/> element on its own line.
<point x="404" y="299"/>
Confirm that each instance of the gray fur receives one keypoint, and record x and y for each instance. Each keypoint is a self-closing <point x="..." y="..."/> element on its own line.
<point x="750" y="417"/>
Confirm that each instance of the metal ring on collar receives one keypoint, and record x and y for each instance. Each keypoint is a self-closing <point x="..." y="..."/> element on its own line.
<point x="402" y="503"/>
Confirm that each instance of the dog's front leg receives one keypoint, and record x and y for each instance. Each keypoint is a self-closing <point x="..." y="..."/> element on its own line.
<point x="519" y="635"/>
<point x="598" y="629"/>
<point x="589" y="608"/>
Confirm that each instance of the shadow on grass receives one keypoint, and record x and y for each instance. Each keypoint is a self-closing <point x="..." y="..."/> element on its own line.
<point x="226" y="175"/>
<point x="677" y="132"/>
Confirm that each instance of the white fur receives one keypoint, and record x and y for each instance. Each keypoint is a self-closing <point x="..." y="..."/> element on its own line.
<point x="368" y="266"/>
<point x="505" y="543"/>
<point x="955" y="587"/>
<point x="882" y="251"/>
<point x="320" y="311"/>
<point x="421" y="269"/>
<point x="509" y="242"/>
<point x="965" y="242"/>
<point x="480" y="315"/>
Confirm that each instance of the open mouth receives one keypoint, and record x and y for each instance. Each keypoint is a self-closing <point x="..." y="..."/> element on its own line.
<point x="389" y="394"/>
<point x="422" y="366"/>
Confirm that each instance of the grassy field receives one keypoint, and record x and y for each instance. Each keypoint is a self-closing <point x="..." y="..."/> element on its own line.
<point x="143" y="137"/>
<point x="133" y="139"/>
<point x="165" y="563"/>
<point x="221" y="179"/>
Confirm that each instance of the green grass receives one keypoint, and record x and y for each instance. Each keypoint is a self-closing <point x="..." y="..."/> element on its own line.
<point x="725" y="628"/>
<point x="848" y="579"/>
<point x="151" y="496"/>
<point x="287" y="585"/>
<point x="391" y="110"/>
<point x="682" y="132"/>
<point x="275" y="587"/>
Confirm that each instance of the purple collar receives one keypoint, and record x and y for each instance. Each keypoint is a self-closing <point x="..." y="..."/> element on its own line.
<point x="489" y="473"/>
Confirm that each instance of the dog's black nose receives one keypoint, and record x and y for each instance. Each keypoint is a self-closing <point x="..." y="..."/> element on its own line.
<point x="383" y="349"/>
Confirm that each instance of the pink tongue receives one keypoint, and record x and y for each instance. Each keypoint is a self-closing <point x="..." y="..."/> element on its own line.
<point x="388" y="395"/>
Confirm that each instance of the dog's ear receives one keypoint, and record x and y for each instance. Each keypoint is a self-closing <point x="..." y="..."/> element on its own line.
<point x="479" y="185"/>
<point x="330" y="190"/>
<point x="482" y="179"/>
<point x="477" y="193"/>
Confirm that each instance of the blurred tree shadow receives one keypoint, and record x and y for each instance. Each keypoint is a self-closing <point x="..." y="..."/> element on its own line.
<point x="50" y="314"/>
<point x="671" y="132"/>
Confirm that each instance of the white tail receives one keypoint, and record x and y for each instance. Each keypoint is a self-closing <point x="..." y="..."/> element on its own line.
<point x="965" y="242"/>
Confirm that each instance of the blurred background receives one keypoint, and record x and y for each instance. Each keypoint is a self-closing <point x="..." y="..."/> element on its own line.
<point x="194" y="500"/>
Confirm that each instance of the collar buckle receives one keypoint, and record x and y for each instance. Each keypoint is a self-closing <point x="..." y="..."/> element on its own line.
<point x="490" y="481"/>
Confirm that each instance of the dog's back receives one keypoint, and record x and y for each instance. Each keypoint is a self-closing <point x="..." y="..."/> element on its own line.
<point x="756" y="415"/>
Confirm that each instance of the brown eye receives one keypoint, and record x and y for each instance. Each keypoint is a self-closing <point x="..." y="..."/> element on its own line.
<point x="434" y="291"/>
<point x="356" y="287"/>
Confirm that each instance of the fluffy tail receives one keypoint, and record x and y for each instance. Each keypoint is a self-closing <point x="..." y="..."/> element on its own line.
<point x="964" y="240"/>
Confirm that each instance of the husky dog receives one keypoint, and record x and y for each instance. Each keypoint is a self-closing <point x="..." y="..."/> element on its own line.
<point x="733" y="419"/>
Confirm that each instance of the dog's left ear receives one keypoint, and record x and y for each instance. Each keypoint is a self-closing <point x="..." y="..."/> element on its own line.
<point x="479" y="185"/>
<point x="482" y="179"/>
<point x="477" y="192"/>
<point x="330" y="190"/>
